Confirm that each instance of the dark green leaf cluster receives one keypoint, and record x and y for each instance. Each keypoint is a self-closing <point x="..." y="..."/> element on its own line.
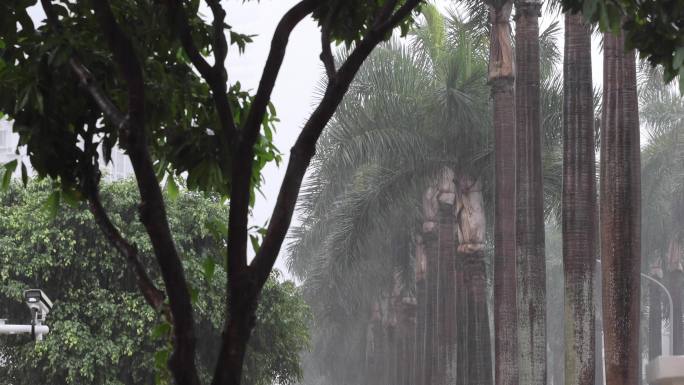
<point x="65" y="132"/>
<point x="654" y="27"/>
<point x="348" y="21"/>
<point x="102" y="331"/>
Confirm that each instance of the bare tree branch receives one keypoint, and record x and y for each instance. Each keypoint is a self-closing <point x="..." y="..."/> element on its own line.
<point x="152" y="209"/>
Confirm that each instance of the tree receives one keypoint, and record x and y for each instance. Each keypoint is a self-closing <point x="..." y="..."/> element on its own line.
<point x="653" y="27"/>
<point x="501" y="79"/>
<point x="423" y="108"/>
<point x="102" y="330"/>
<point x="662" y="114"/>
<point x="530" y="256"/>
<point x="579" y="203"/>
<point x="365" y="214"/>
<point x="620" y="212"/>
<point x="139" y="77"/>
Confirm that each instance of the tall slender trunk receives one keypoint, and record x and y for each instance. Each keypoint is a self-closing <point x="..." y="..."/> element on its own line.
<point x="676" y="290"/>
<point x="447" y="287"/>
<point x="431" y="247"/>
<point x="620" y="212"/>
<point x="471" y="232"/>
<point x="501" y="79"/>
<point x="579" y="204"/>
<point x="421" y="311"/>
<point x="675" y="258"/>
<point x="655" y="312"/>
<point x="530" y="197"/>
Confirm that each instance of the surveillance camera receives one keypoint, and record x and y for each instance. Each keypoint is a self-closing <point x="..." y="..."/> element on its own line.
<point x="39" y="304"/>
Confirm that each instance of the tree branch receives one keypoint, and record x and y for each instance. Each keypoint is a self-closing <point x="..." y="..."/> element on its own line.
<point x="244" y="151"/>
<point x="305" y="146"/>
<point x="215" y="76"/>
<point x="152" y="209"/>
<point x="326" y="52"/>
<point x="154" y="297"/>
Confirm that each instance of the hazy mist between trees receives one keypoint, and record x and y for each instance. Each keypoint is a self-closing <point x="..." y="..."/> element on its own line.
<point x="473" y="210"/>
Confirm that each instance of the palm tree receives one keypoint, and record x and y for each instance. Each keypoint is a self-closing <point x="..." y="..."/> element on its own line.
<point x="579" y="203"/>
<point x="620" y="199"/>
<point x="413" y="114"/>
<point x="501" y="79"/>
<point x="662" y="113"/>
<point x="530" y="199"/>
<point x="407" y="166"/>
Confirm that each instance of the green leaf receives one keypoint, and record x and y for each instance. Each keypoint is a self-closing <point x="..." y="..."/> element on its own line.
<point x="51" y="205"/>
<point x="161" y="357"/>
<point x="161" y="331"/>
<point x="172" y="188"/>
<point x="209" y="268"/>
<point x="255" y="243"/>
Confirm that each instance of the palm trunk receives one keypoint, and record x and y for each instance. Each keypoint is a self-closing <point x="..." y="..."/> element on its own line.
<point x="447" y="287"/>
<point x="530" y="198"/>
<point x="675" y="256"/>
<point x="431" y="245"/>
<point x="620" y="212"/>
<point x="471" y="233"/>
<point x="579" y="204"/>
<point x="501" y="79"/>
<point x="676" y="290"/>
<point x="421" y="312"/>
<point x="655" y="312"/>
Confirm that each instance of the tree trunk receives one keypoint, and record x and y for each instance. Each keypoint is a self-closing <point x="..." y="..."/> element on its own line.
<point x="421" y="313"/>
<point x="530" y="198"/>
<point x="676" y="289"/>
<point x="655" y="313"/>
<point x="579" y="204"/>
<point x="501" y="79"/>
<point x="620" y="212"/>
<point x="431" y="245"/>
<point x="447" y="288"/>
<point x="471" y="233"/>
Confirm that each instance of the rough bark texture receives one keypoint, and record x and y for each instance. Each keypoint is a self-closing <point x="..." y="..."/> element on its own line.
<point x="530" y="198"/>
<point x="505" y="316"/>
<point x="477" y="368"/>
<point x="579" y="204"/>
<point x="620" y="212"/>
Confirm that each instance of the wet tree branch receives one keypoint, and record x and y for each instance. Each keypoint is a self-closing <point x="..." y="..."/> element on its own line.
<point x="305" y="146"/>
<point x="152" y="209"/>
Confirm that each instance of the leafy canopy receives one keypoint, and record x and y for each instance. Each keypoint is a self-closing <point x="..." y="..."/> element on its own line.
<point x="103" y="332"/>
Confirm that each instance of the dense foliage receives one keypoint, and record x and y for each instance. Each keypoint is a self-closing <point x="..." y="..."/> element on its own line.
<point x="101" y="329"/>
